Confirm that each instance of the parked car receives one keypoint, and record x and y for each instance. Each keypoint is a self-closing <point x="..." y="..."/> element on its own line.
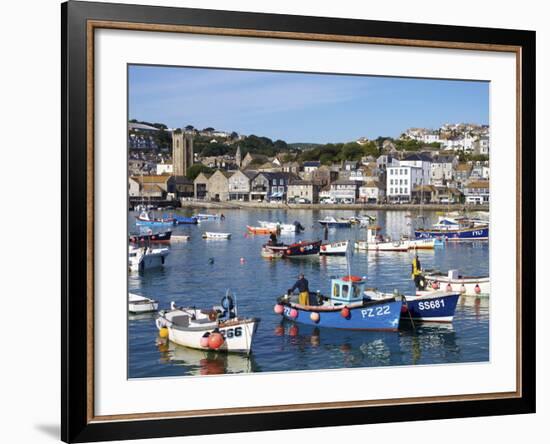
<point x="303" y="200"/>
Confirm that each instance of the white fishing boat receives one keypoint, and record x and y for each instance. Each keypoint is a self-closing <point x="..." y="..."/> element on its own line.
<point x="218" y="328"/>
<point x="180" y="238"/>
<point x="141" y="304"/>
<point x="271" y="253"/>
<point x="143" y="258"/>
<point x="454" y="281"/>
<point x="333" y="222"/>
<point x="215" y="235"/>
<point x="292" y="228"/>
<point x="376" y="242"/>
<point x="203" y="216"/>
<point x="419" y="244"/>
<point x="339" y="248"/>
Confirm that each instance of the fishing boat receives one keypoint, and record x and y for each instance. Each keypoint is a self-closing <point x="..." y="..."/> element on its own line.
<point x="437" y="306"/>
<point x="183" y="220"/>
<point x="455" y="229"/>
<point x="345" y="308"/>
<point x="260" y="230"/>
<point x="339" y="248"/>
<point x="151" y="237"/>
<point x="204" y="216"/>
<point x="419" y="244"/>
<point x="298" y="250"/>
<point x="454" y="281"/>
<point x="376" y="242"/>
<point x="215" y="235"/>
<point x="180" y="238"/>
<point x="295" y="227"/>
<point x="146" y="218"/>
<point x="333" y="222"/>
<point x="143" y="258"/>
<point x="218" y="328"/>
<point x="141" y="304"/>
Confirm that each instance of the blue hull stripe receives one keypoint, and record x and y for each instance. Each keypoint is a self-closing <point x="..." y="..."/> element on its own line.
<point x="384" y="316"/>
<point x="463" y="234"/>
<point x="435" y="307"/>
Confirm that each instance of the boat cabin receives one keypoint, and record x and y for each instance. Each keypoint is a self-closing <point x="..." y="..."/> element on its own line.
<point x="373" y="234"/>
<point x="347" y="290"/>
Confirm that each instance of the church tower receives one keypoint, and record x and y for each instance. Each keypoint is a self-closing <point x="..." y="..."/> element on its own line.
<point x="238" y="157"/>
<point x="182" y="152"/>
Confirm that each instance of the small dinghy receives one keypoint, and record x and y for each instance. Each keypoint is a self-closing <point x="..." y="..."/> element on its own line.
<point x="148" y="238"/>
<point x="215" y="235"/>
<point x="453" y="281"/>
<point x="144" y="258"/>
<point x="339" y="248"/>
<point x="270" y="253"/>
<point x="345" y="308"/>
<point x="218" y="328"/>
<point x="181" y="238"/>
<point x="428" y="307"/>
<point x="141" y="304"/>
<point x="419" y="244"/>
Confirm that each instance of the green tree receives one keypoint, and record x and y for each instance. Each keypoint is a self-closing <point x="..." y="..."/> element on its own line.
<point x="194" y="170"/>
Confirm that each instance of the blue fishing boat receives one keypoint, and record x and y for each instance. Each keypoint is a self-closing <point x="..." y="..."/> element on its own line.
<point x="458" y="229"/>
<point x="345" y="308"/>
<point x="181" y="220"/>
<point x="146" y="218"/>
<point x="425" y="306"/>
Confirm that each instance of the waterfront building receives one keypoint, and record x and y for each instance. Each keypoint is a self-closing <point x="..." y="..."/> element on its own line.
<point x="218" y="186"/>
<point x="270" y="186"/>
<point x="182" y="152"/>
<point x="182" y="186"/>
<point x="477" y="191"/>
<point x="344" y="191"/>
<point x="303" y="189"/>
<point x="372" y="191"/>
<point x="200" y="185"/>
<point x="239" y="184"/>
<point x="400" y="181"/>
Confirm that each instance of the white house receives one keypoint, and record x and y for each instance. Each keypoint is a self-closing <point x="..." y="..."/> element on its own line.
<point x="344" y="191"/>
<point x="311" y="166"/>
<point x="400" y="181"/>
<point x="442" y="169"/>
<point x="372" y="192"/>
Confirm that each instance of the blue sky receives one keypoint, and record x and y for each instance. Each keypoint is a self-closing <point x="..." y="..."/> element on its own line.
<point x="301" y="107"/>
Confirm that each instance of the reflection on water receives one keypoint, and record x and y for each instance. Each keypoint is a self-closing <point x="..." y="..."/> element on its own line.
<point x="198" y="272"/>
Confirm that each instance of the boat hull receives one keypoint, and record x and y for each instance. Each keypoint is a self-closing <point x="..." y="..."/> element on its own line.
<point x="379" y="316"/>
<point x="454" y="235"/>
<point x="140" y="304"/>
<point x="466" y="285"/>
<point x="182" y="220"/>
<point x="151" y="238"/>
<point x="431" y="308"/>
<point x="382" y="246"/>
<point x="302" y="250"/>
<point x="334" y="249"/>
<point x="238" y="335"/>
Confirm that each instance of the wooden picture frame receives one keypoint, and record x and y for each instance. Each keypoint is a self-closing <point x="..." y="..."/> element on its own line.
<point x="79" y="22"/>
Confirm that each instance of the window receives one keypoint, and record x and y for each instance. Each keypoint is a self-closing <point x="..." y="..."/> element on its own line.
<point x="345" y="291"/>
<point x="405" y="182"/>
<point x="274" y="181"/>
<point x="336" y="290"/>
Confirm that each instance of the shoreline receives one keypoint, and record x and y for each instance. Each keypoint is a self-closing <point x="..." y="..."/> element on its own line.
<point x="232" y="205"/>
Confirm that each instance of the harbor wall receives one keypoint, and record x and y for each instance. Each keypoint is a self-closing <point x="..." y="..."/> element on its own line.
<point x="361" y="206"/>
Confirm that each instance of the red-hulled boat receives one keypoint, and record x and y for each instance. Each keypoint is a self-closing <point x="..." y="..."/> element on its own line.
<point x="150" y="238"/>
<point x="301" y="249"/>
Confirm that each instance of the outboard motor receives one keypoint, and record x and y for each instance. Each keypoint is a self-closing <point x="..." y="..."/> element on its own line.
<point x="228" y="306"/>
<point x="299" y="226"/>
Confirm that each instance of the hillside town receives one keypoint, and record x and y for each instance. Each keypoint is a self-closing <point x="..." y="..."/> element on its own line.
<point x="446" y="165"/>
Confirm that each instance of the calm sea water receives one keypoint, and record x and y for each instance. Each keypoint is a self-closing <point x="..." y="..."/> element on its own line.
<point x="191" y="278"/>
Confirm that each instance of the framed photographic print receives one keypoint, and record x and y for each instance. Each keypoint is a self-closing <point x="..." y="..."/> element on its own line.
<point x="276" y="221"/>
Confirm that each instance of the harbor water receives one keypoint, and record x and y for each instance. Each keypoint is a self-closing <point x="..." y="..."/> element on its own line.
<point x="198" y="273"/>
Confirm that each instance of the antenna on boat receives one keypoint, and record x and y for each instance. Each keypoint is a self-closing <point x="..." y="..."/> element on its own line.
<point x="348" y="263"/>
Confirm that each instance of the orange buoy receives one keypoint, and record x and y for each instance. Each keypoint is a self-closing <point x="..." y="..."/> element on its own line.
<point x="314" y="316"/>
<point x="278" y="309"/>
<point x="435" y="285"/>
<point x="293" y="313"/>
<point x="477" y="289"/>
<point x="324" y="248"/>
<point x="345" y="312"/>
<point x="215" y="340"/>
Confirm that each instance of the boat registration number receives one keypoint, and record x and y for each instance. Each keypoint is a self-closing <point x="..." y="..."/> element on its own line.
<point x="232" y="332"/>
<point x="431" y="305"/>
<point x="375" y="311"/>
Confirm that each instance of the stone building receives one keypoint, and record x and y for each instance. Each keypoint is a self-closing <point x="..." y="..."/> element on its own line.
<point x="182" y="152"/>
<point x="218" y="186"/>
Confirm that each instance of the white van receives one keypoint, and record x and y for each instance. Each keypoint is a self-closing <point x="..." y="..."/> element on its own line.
<point x="478" y="200"/>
